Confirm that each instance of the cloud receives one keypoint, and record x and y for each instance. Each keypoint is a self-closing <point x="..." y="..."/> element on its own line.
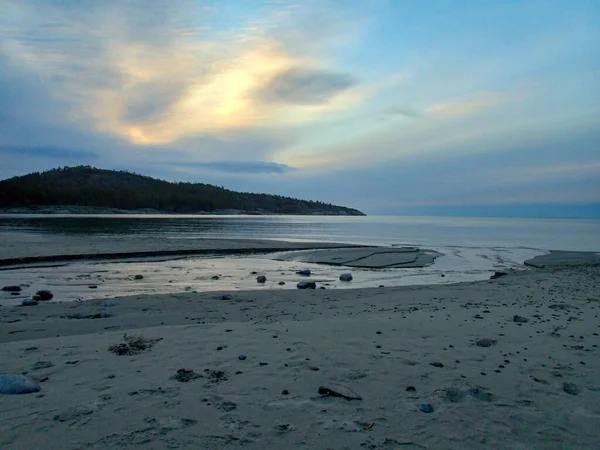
<point x="48" y="152"/>
<point x="245" y="166"/>
<point x="304" y="86"/>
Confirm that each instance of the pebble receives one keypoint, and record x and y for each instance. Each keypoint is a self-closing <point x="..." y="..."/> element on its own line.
<point x="226" y="297"/>
<point x="138" y="277"/>
<point x="436" y="364"/>
<point x="285" y="392"/>
<point x="426" y="407"/>
<point x="44" y="295"/>
<point x="242" y="357"/>
<point x="411" y="389"/>
<point x="261" y="279"/>
<point x="12" y="288"/>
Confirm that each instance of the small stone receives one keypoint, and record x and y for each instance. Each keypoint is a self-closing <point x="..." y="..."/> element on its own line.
<point x="111" y="376"/>
<point x="306" y="285"/>
<point x="263" y="363"/>
<point x="261" y="279"/>
<point x="346" y="277"/>
<point x="281" y="283"/>
<point x="45" y="295"/>
<point x="93" y="286"/>
<point x="426" y="407"/>
<point x="520" y="319"/>
<point x="219" y="348"/>
<point x="11" y="288"/>
<point x="305" y="272"/>
<point x="29" y="302"/>
<point x="436" y="364"/>
<point x="15" y="293"/>
<point x="411" y="389"/>
<point x="215" y="277"/>
<point x="138" y="277"/>
<point x="242" y="357"/>
<point x="285" y="392"/>
<point x="485" y="342"/>
<point x="313" y="368"/>
<point x="226" y="297"/>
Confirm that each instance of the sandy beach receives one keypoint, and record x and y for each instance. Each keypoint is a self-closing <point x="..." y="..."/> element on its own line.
<point x="504" y="363"/>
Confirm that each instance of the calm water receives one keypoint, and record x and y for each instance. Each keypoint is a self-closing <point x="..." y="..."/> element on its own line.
<point x="544" y="234"/>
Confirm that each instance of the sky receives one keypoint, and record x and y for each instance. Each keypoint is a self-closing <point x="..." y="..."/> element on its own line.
<point x="458" y="107"/>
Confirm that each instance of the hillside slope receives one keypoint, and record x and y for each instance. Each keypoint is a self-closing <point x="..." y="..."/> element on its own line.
<point x="91" y="187"/>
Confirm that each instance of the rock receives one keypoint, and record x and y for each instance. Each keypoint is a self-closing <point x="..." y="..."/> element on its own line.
<point x="11" y="288"/>
<point x="15" y="293"/>
<point x="261" y="279"/>
<point x="93" y="286"/>
<point x="242" y="357"/>
<point x="520" y="319"/>
<point x="44" y="295"/>
<point x="215" y="277"/>
<point x="442" y="275"/>
<point x="285" y="392"/>
<point x="337" y="390"/>
<point x="485" y="342"/>
<point x="498" y="275"/>
<point x="226" y="297"/>
<point x="346" y="277"/>
<point x="571" y="388"/>
<point x="411" y="389"/>
<point x="436" y="364"/>
<point x="281" y="283"/>
<point x="313" y="368"/>
<point x="306" y="285"/>
<point x="14" y="383"/>
<point x="138" y="277"/>
<point x="426" y="407"/>
<point x="29" y="302"/>
<point x="304" y="272"/>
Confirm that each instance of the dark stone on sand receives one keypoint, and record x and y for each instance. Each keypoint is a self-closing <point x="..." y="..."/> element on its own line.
<point x="411" y="389"/>
<point x="11" y="288"/>
<point x="261" y="279"/>
<point x="478" y="316"/>
<point x="442" y="275"/>
<point x="498" y="275"/>
<point x="520" y="319"/>
<point x="485" y="342"/>
<point x="215" y="277"/>
<point x="242" y="357"/>
<point x="306" y="285"/>
<point x="346" y="277"/>
<point x="571" y="388"/>
<point x="14" y="384"/>
<point x="263" y="363"/>
<point x="285" y="392"/>
<point x="313" y="368"/>
<point x="138" y="277"/>
<point x="281" y="283"/>
<point x="436" y="364"/>
<point x="44" y="295"/>
<point x="304" y="272"/>
<point x="226" y="297"/>
<point x="93" y="287"/>
<point x="29" y="302"/>
<point x="15" y="293"/>
<point x="426" y="407"/>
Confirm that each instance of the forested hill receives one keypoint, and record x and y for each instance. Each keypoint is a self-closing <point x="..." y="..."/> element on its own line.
<point x="88" y="186"/>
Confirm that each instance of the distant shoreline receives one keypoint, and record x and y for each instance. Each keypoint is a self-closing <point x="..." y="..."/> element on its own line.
<point x="74" y="209"/>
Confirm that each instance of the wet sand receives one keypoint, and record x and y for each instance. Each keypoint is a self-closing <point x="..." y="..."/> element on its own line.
<point x="504" y="363"/>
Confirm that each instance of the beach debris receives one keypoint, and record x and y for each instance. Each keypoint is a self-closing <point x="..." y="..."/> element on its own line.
<point x="14" y="384"/>
<point x="43" y="295"/>
<point x="29" y="302"/>
<point x="242" y="357"/>
<point x="215" y="376"/>
<point x="133" y="345"/>
<point x="520" y="319"/>
<point x="261" y="279"/>
<point x="571" y="388"/>
<point x="498" y="275"/>
<point x="11" y="288"/>
<point x="285" y="392"/>
<point x="346" y="277"/>
<point x="338" y="390"/>
<point x="186" y="375"/>
<point x="436" y="364"/>
<point x="303" y="272"/>
<point x="138" y="277"/>
<point x="226" y="297"/>
<point x="426" y="407"/>
<point x="485" y="342"/>
<point x="306" y="285"/>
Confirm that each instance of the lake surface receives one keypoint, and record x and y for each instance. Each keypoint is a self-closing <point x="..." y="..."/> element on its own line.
<point x="473" y="249"/>
<point x="541" y="234"/>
